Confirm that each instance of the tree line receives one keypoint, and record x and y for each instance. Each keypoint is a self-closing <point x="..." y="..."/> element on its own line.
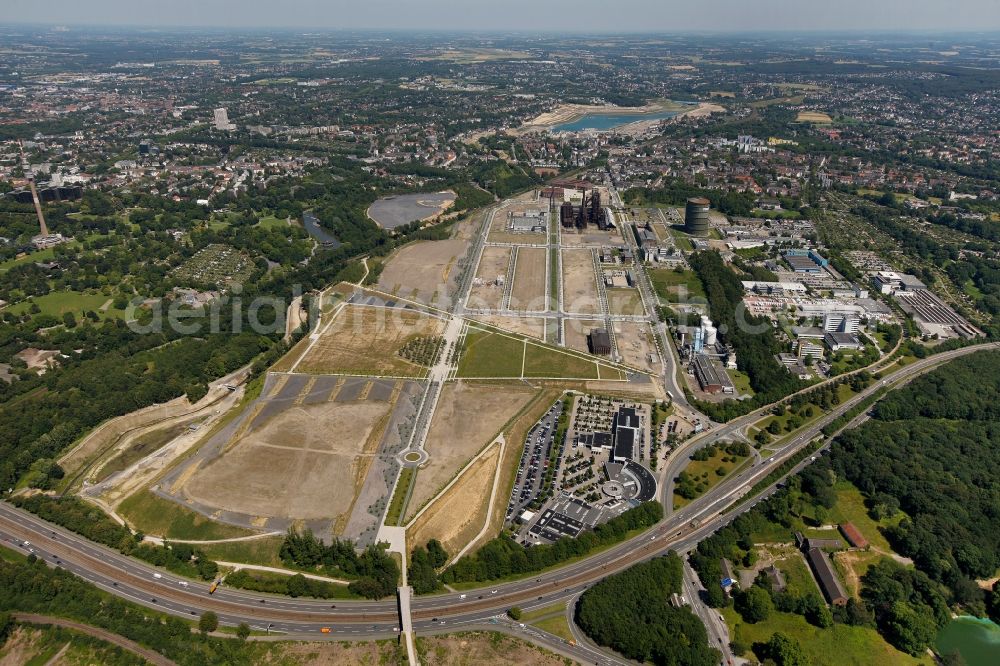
<point x="375" y="573"/>
<point x="503" y="556"/>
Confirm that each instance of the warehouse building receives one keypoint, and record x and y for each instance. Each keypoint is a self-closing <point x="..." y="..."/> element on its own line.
<point x="827" y="577"/>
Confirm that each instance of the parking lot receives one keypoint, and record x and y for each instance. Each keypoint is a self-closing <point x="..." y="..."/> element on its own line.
<point x="534" y="462"/>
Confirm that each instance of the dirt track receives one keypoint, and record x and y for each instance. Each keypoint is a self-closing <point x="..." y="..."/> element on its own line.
<point x="103" y="634"/>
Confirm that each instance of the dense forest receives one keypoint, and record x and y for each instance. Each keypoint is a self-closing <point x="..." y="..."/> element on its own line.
<point x="631" y="613"/>
<point x="926" y="462"/>
<point x="931" y="451"/>
<point x="677" y="192"/>
<point x="503" y="556"/>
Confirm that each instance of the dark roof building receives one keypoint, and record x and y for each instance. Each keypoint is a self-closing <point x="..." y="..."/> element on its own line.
<point x="599" y="342"/>
<point x="827" y="577"/>
<point x="625" y="427"/>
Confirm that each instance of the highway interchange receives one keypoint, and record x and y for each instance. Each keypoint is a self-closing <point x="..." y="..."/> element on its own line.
<point x="476" y="608"/>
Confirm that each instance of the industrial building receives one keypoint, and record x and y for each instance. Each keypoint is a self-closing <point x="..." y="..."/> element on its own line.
<point x="933" y="316"/>
<point x="590" y="211"/>
<point x="529" y="221"/>
<point x="696" y="216"/>
<point x="838" y="341"/>
<point x="710" y="378"/>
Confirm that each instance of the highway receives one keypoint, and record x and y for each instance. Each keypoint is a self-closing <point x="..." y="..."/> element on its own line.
<point x="681" y="531"/>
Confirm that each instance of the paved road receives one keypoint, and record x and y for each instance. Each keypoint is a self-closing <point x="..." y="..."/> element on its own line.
<point x="680" y="531"/>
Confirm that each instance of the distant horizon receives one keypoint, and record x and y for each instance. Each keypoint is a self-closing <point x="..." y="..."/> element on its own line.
<point x="522" y="16"/>
<point x="842" y="32"/>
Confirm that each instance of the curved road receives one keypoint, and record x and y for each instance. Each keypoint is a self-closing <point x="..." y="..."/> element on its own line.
<point x="681" y="531"/>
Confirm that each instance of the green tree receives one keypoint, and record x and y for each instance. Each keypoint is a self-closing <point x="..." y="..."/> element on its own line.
<point x="910" y="630"/>
<point x="243" y="631"/>
<point x="514" y="612"/>
<point x="208" y="622"/>
<point x="782" y="650"/>
<point x="297" y="586"/>
<point x="754" y="605"/>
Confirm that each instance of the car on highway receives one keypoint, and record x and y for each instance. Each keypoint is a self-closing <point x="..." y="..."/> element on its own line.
<point x="324" y="630"/>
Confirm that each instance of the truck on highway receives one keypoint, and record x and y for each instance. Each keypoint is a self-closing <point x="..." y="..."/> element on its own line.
<point x="214" y="586"/>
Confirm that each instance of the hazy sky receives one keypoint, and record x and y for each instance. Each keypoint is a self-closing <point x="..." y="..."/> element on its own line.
<point x="528" y="15"/>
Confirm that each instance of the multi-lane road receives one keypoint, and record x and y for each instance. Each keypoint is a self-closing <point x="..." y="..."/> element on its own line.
<point x="681" y="531"/>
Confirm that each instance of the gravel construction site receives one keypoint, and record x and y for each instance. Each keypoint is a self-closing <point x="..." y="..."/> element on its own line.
<point x="491" y="277"/>
<point x="311" y="451"/>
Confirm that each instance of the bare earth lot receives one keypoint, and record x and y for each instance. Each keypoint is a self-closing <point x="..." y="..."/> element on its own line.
<point x="635" y="343"/>
<point x="365" y="341"/>
<point x="307" y="462"/>
<point x="529" y="279"/>
<point x="625" y="301"/>
<point x="493" y="264"/>
<point x="421" y="271"/>
<point x="579" y="282"/>
<point x="577" y="331"/>
<point x="467" y="417"/>
<point x="590" y="237"/>
<point x="531" y="326"/>
<point x="460" y="514"/>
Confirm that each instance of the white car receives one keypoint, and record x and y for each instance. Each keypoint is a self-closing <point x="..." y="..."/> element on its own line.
<point x="462" y="596"/>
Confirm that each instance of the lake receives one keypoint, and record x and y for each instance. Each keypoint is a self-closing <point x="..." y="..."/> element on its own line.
<point x="606" y="121"/>
<point x="395" y="211"/>
<point x="318" y="231"/>
<point x="976" y="639"/>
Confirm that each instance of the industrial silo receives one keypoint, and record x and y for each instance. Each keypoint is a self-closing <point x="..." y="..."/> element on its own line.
<point x="696" y="216"/>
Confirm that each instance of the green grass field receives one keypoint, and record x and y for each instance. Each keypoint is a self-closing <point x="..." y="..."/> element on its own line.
<point x="263" y="551"/>
<point x="542" y="362"/>
<point x="706" y="473"/>
<point x="555" y="625"/>
<point x="159" y="517"/>
<point x="399" y="496"/>
<point x="57" y="303"/>
<point x="798" y="579"/>
<point x="850" y="507"/>
<point x="669" y="283"/>
<point x="544" y="611"/>
<point x="271" y="222"/>
<point x="741" y="381"/>
<point x="488" y="353"/>
<point x="839" y="645"/>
